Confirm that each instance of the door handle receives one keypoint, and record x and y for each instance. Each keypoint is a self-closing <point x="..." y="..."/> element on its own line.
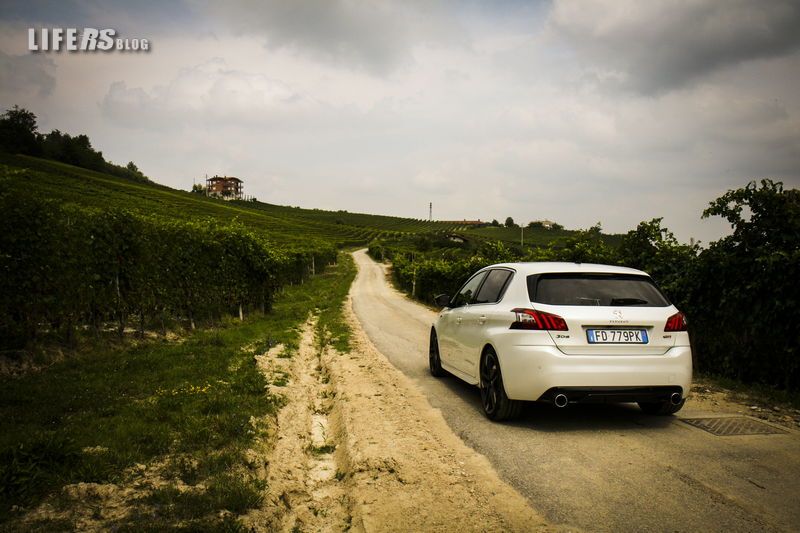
<point x="482" y="319"/>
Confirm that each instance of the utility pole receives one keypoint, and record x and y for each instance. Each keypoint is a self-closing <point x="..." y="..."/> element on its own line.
<point x="430" y="212"/>
<point x="522" y="235"/>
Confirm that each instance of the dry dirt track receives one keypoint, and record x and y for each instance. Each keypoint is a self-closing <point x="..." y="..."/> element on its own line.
<point x="600" y="468"/>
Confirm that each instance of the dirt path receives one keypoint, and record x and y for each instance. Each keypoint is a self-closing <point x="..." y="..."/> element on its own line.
<point x="360" y="449"/>
<point x="603" y="468"/>
<point x="304" y="479"/>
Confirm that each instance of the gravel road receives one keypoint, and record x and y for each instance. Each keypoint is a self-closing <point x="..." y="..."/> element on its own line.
<point x="600" y="468"/>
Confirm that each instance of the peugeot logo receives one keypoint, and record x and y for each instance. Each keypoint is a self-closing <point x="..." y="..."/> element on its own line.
<point x="618" y="315"/>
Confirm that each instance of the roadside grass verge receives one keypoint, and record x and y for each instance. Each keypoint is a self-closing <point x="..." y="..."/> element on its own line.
<point x="188" y="410"/>
<point x="751" y="393"/>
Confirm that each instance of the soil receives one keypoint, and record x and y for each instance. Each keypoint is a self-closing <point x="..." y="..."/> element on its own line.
<point x="708" y="396"/>
<point x="360" y="448"/>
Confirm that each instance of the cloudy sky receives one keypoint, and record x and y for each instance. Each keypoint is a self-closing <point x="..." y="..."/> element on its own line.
<point x="614" y="111"/>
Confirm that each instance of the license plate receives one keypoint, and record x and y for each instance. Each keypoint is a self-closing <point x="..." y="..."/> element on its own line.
<point x="616" y="336"/>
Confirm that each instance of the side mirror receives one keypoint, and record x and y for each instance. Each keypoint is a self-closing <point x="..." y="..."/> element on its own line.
<point x="443" y="300"/>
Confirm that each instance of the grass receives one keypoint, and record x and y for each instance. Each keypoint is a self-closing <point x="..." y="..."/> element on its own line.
<point x="322" y="449"/>
<point x="188" y="405"/>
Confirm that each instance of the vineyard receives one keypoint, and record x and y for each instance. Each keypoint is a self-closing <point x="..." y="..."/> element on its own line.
<point x="71" y="185"/>
<point x="91" y="251"/>
<point x="84" y="250"/>
<point x="529" y="237"/>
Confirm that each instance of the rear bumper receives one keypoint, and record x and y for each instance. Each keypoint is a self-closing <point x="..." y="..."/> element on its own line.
<point x="613" y="394"/>
<point x="533" y="372"/>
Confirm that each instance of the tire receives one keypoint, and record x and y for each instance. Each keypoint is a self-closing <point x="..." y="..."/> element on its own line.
<point x="434" y="361"/>
<point x="661" y="408"/>
<point x="496" y="404"/>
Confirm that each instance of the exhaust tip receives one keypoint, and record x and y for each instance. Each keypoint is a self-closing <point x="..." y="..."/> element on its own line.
<point x="675" y="398"/>
<point x="560" y="400"/>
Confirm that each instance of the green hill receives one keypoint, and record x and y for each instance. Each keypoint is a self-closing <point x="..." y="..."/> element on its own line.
<point x="283" y="224"/>
<point x="86" y="188"/>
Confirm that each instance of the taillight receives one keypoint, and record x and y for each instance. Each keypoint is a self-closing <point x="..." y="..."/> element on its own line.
<point x="676" y="322"/>
<point x="538" y="320"/>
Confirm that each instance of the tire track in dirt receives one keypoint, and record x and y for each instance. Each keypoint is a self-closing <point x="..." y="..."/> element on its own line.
<point x="357" y="447"/>
<point x="306" y="490"/>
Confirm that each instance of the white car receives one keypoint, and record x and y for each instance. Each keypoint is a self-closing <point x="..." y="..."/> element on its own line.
<point x="563" y="333"/>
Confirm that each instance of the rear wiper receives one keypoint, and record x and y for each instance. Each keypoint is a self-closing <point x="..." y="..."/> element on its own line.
<point x="627" y="301"/>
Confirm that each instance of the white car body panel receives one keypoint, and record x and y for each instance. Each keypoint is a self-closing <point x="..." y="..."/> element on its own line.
<point x="533" y="362"/>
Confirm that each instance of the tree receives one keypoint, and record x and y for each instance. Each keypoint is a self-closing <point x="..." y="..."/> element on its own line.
<point x="75" y="150"/>
<point x="538" y="224"/>
<point x="510" y="223"/>
<point x="774" y="221"/>
<point x="655" y="250"/>
<point x="495" y="223"/>
<point x="18" y="132"/>
<point x="199" y="189"/>
<point x="584" y="246"/>
<point x="743" y="295"/>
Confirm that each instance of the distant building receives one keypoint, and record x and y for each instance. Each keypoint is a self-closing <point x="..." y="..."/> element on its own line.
<point x="225" y="187"/>
<point x="457" y="237"/>
<point x="464" y="222"/>
<point x="546" y="224"/>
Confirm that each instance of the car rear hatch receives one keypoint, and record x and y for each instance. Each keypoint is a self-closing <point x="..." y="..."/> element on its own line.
<point x="606" y="314"/>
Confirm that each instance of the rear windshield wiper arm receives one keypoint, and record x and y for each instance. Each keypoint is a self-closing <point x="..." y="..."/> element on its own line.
<point x="628" y="301"/>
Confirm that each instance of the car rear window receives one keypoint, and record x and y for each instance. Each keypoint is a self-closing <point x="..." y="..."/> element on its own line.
<point x="595" y="289"/>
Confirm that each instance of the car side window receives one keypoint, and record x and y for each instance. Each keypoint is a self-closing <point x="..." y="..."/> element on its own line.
<point x="467" y="293"/>
<point x="492" y="288"/>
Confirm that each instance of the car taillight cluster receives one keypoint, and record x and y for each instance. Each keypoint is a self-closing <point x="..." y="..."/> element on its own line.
<point x="537" y="320"/>
<point x="676" y="322"/>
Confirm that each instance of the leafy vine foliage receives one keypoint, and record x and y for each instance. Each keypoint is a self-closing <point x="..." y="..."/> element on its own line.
<point x="64" y="267"/>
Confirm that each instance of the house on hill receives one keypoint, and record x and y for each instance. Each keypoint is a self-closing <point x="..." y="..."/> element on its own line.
<point x="546" y="224"/>
<point x="225" y="187"/>
<point x="457" y="237"/>
<point x="464" y="224"/>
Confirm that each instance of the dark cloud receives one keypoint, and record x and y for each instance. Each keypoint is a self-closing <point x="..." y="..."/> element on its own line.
<point x="27" y="73"/>
<point x="130" y="18"/>
<point x="652" y="47"/>
<point x="376" y="37"/>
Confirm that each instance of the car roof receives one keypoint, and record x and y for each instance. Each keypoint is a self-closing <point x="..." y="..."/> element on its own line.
<point x="543" y="267"/>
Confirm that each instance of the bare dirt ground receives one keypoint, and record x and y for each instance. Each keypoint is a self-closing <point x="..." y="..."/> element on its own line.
<point x="710" y="397"/>
<point x="359" y="448"/>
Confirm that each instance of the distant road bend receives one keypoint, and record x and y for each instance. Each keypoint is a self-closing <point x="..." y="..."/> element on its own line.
<point x="601" y="468"/>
